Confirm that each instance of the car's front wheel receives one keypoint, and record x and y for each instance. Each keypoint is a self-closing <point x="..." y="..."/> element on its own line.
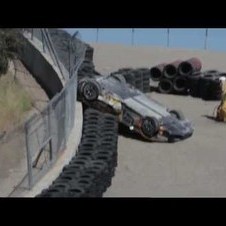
<point x="150" y="126"/>
<point x="90" y="90"/>
<point x="177" y="114"/>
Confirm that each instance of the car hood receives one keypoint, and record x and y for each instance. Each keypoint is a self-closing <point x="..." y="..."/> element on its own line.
<point x="175" y="128"/>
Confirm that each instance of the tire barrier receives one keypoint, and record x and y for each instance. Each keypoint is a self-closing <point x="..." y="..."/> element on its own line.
<point x="206" y="85"/>
<point x="139" y="77"/>
<point x="210" y="86"/>
<point x="193" y="85"/>
<point x="61" y="40"/>
<point x="90" y="171"/>
<point x="87" y="69"/>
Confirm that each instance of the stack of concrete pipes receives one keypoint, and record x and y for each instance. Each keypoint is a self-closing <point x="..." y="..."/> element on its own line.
<point x="173" y="77"/>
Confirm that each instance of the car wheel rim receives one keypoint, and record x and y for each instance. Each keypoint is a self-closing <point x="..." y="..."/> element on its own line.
<point x="148" y="128"/>
<point x="90" y="92"/>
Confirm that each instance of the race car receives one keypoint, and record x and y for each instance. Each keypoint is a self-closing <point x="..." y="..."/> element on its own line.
<point x="134" y="109"/>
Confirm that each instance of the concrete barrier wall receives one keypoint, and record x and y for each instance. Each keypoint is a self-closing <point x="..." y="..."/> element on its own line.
<point x="41" y="69"/>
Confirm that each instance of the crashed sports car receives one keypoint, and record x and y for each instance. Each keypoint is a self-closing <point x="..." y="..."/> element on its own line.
<point x="134" y="109"/>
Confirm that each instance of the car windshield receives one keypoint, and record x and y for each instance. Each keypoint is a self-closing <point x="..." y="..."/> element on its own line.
<point x="124" y="90"/>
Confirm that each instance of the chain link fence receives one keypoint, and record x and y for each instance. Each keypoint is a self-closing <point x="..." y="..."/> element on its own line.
<point x="195" y="38"/>
<point x="47" y="132"/>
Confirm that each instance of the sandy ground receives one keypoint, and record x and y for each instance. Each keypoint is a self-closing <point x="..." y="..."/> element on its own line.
<point x="195" y="167"/>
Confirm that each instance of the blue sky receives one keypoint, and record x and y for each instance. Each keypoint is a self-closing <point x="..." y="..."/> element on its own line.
<point x="179" y="38"/>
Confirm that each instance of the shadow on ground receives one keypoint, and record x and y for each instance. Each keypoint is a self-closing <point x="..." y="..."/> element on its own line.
<point x="155" y="89"/>
<point x="210" y="117"/>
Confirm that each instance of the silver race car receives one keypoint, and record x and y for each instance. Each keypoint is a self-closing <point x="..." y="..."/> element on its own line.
<point x="134" y="109"/>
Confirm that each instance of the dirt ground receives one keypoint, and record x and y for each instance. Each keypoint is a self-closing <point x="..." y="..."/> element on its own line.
<point x="195" y="167"/>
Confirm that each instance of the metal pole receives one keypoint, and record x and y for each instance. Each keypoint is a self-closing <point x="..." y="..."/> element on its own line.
<point x="97" y="37"/>
<point x="32" y="34"/>
<point x="168" y="34"/>
<point x="206" y="36"/>
<point x="132" y="41"/>
<point x="29" y="163"/>
<point x="69" y="56"/>
<point x="43" y="42"/>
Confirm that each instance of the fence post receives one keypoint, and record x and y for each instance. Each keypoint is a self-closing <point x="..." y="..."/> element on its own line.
<point x="132" y="41"/>
<point x="206" y="36"/>
<point x="69" y="57"/>
<point x="43" y="43"/>
<point x="97" y="35"/>
<point x="29" y="163"/>
<point x="168" y="34"/>
<point x="32" y="34"/>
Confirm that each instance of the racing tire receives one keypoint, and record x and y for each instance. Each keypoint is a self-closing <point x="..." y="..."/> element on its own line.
<point x="120" y="78"/>
<point x="177" y="114"/>
<point x="193" y="85"/>
<point x="150" y="126"/>
<point x="90" y="91"/>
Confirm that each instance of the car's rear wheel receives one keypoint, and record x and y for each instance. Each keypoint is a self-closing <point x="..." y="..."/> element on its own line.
<point x="150" y="126"/>
<point x="90" y="90"/>
<point x="177" y="114"/>
<point x="80" y="86"/>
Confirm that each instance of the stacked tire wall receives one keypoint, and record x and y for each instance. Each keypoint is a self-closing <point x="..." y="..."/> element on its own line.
<point x="206" y="85"/>
<point x="139" y="77"/>
<point x="90" y="171"/>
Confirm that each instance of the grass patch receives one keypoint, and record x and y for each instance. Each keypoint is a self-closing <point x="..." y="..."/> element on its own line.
<point x="14" y="102"/>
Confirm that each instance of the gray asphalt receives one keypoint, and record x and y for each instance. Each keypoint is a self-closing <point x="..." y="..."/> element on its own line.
<point x="193" y="167"/>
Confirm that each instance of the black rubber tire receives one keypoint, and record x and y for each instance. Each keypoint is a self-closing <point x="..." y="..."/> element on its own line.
<point x="76" y="191"/>
<point x="150" y="126"/>
<point x="91" y="91"/>
<point x="53" y="193"/>
<point x="122" y="70"/>
<point x="205" y="86"/>
<point x="177" y="114"/>
<point x="193" y="85"/>
<point x="130" y="77"/>
<point x="211" y="72"/>
<point x="216" y="90"/>
<point x="95" y="159"/>
<point x="120" y="78"/>
<point x="60" y="186"/>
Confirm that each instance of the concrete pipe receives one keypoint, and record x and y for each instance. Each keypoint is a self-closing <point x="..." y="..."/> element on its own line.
<point x="189" y="66"/>
<point x="165" y="86"/>
<point x="170" y="71"/>
<point x="180" y="84"/>
<point x="156" y="72"/>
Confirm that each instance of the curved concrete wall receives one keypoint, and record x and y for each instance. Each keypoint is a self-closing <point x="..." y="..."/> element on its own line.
<point x="41" y="69"/>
